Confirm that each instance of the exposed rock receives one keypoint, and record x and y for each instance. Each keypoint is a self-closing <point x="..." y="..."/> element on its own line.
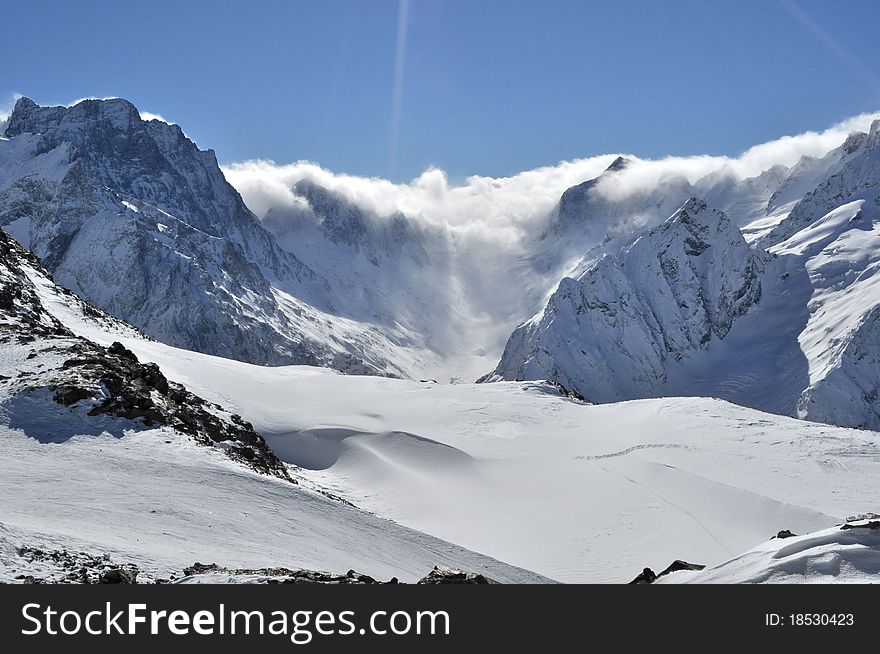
<point x="872" y="525"/>
<point x="67" y="567"/>
<point x="785" y="533"/>
<point x="444" y="575"/>
<point x="678" y="565"/>
<point x="649" y="577"/>
<point x="119" y="576"/>
<point x="110" y="380"/>
<point x="281" y="575"/>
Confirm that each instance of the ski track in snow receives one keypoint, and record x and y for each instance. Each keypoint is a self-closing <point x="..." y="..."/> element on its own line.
<point x="629" y="450"/>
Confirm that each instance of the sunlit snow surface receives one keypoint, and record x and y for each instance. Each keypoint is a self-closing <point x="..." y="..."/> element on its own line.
<point x="828" y="556"/>
<point x="574" y="492"/>
<point x="111" y="487"/>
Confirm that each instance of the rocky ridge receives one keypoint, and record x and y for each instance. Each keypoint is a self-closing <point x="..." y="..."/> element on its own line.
<point x="93" y="381"/>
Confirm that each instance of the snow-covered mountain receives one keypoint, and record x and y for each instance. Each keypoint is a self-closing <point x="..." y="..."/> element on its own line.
<point x="607" y="336"/>
<point x="786" y="323"/>
<point x="106" y="463"/>
<point x="101" y="463"/>
<point x="391" y="272"/>
<point x="133" y="217"/>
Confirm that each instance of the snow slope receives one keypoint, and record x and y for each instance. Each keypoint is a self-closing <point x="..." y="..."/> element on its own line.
<point x="150" y="498"/>
<point x="848" y="553"/>
<point x="573" y="491"/>
<point x="100" y="453"/>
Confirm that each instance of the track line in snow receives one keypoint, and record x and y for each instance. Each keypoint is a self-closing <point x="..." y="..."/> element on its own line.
<point x="634" y="448"/>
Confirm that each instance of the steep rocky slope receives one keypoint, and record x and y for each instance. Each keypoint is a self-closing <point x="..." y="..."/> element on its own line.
<point x="608" y="335"/>
<point x="134" y="218"/>
<point x="55" y="382"/>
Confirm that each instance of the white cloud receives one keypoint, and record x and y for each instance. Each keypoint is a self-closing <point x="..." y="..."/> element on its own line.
<point x="506" y="204"/>
<point x="506" y="207"/>
<point x="146" y="115"/>
<point x="487" y="275"/>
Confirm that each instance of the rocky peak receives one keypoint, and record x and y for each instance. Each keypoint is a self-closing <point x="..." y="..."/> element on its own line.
<point x="874" y="135"/>
<point x="341" y="220"/>
<point x="707" y="223"/>
<point x="94" y="381"/>
<point x="76" y="124"/>
<point x="612" y="333"/>
<point x="618" y="164"/>
<point x="853" y="142"/>
<point x="696" y="214"/>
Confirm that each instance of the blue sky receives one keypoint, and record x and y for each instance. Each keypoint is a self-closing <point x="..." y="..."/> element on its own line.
<point x="474" y="87"/>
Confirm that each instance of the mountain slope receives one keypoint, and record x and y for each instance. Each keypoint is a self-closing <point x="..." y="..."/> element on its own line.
<point x="133" y="217"/>
<point x="787" y="324"/>
<point x="392" y="272"/>
<point x="101" y="453"/>
<point x="608" y="335"/>
<point x="577" y="492"/>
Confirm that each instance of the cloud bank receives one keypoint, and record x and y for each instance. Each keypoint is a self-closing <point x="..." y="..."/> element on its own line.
<point x="510" y="206"/>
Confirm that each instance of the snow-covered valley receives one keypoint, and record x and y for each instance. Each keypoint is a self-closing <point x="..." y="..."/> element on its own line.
<point x="515" y="470"/>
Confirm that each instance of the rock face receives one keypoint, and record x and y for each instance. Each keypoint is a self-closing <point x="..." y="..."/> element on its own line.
<point x="343" y="222"/>
<point x="609" y="334"/>
<point x="390" y="272"/>
<point x="134" y="218"/>
<point x="92" y="381"/>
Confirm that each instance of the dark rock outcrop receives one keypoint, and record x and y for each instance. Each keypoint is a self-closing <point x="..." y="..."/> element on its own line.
<point x="444" y="575"/>
<point x="649" y="577"/>
<point x="283" y="575"/>
<point x="110" y="380"/>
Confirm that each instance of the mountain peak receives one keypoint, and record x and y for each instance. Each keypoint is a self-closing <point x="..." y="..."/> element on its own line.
<point x="874" y="134"/>
<point x="618" y="164"/>
<point x="23" y="104"/>
<point x="114" y="113"/>
<point x="696" y="212"/>
<point x="694" y="205"/>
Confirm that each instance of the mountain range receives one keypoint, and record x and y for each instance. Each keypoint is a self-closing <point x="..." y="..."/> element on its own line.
<point x="756" y="290"/>
<point x="668" y="368"/>
<point x="785" y="321"/>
